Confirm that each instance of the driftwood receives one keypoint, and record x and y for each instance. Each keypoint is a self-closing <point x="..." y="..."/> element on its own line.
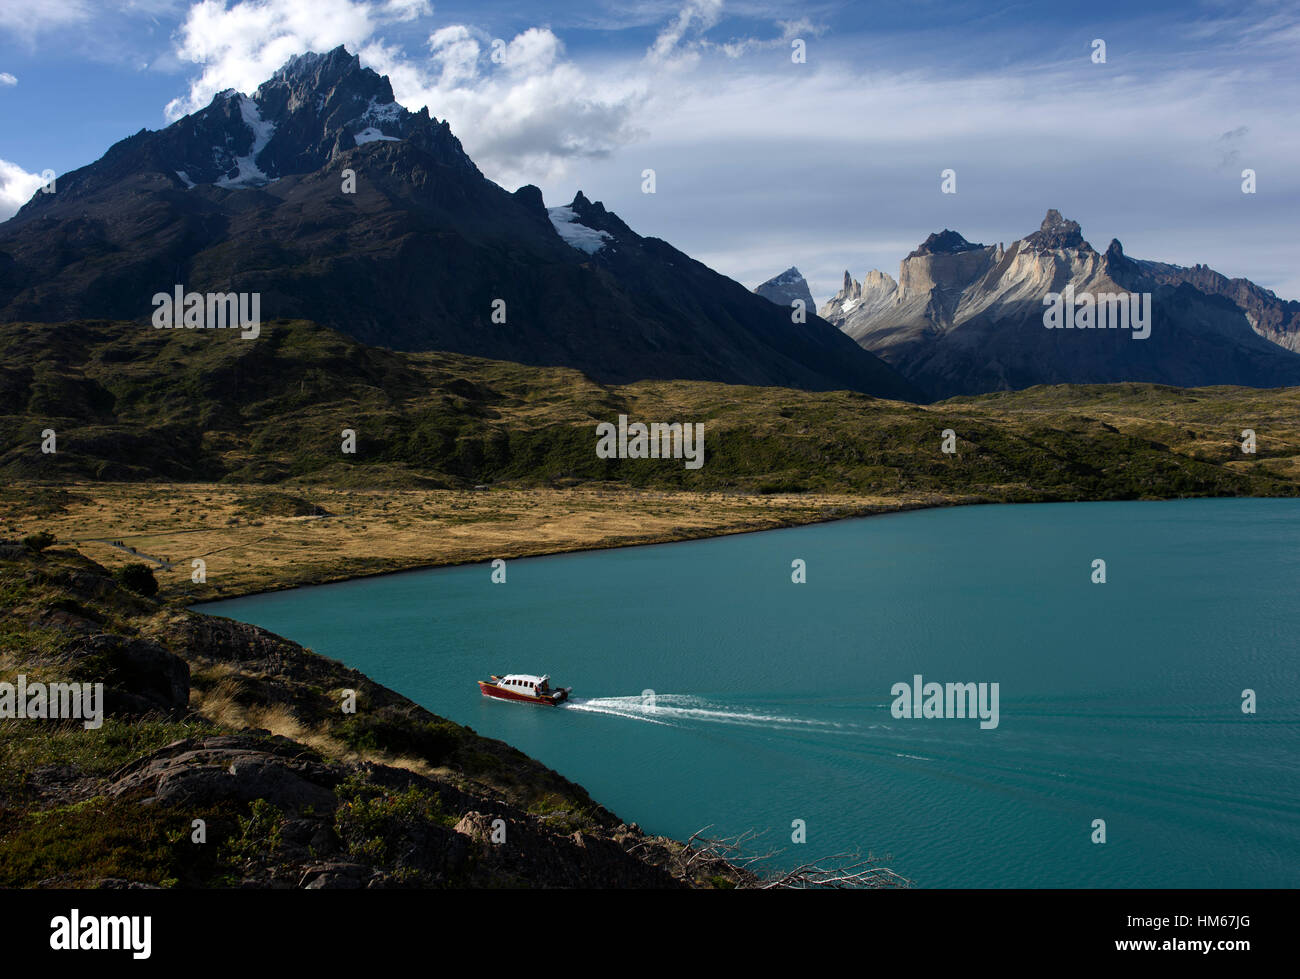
<point x="732" y="859"/>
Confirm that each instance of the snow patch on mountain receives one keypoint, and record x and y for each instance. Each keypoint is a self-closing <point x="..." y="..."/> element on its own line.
<point x="565" y="222"/>
<point x="249" y="174"/>
<point x="390" y="112"/>
<point x="787" y="288"/>
<point x="372" y="134"/>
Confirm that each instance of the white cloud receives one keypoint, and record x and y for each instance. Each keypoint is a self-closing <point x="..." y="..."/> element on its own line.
<point x="404" y="10"/>
<point x="7" y="79"/>
<point x="763" y="163"/>
<point x="16" y="188"/>
<point x="533" y="51"/>
<point x="521" y="117"/>
<point x="455" y="52"/>
<point x="241" y="46"/>
<point x="830" y="165"/>
<point x="524" y="119"/>
<point x="678" y="44"/>
<point x="28" y="20"/>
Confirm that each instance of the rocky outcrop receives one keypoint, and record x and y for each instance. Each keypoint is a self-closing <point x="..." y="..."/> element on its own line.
<point x="966" y="318"/>
<point x="333" y="831"/>
<point x="1056" y="233"/>
<point x="387" y="796"/>
<point x="208" y="771"/>
<point x="140" y="676"/>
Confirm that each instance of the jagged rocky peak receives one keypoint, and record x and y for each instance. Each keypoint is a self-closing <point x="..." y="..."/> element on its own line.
<point x="945" y="242"/>
<point x="314" y="108"/>
<point x="594" y="215"/>
<point x="1123" y="269"/>
<point x="1056" y="232"/>
<point x="785" y="288"/>
<point x="531" y="196"/>
<point x="873" y="281"/>
<point x="587" y="225"/>
<point x="946" y="261"/>
<point x="876" y="291"/>
<point x="876" y="281"/>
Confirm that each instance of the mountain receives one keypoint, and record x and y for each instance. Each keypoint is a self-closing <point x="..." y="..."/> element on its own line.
<point x="250" y="195"/>
<point x="1272" y="318"/>
<point x="968" y="318"/>
<point x="785" y="288"/>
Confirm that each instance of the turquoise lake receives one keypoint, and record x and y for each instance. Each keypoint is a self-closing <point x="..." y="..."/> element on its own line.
<point x="1119" y="701"/>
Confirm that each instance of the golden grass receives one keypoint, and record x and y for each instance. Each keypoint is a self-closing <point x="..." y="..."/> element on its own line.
<point x="220" y="705"/>
<point x="374" y="531"/>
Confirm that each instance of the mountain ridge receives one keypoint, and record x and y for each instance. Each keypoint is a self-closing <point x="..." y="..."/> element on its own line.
<point x="250" y="194"/>
<point x="965" y="319"/>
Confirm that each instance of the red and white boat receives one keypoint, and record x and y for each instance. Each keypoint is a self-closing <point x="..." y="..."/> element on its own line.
<point x="524" y="687"/>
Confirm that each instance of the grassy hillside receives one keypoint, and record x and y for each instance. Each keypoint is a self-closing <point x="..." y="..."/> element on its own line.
<point x="131" y="403"/>
<point x="210" y="719"/>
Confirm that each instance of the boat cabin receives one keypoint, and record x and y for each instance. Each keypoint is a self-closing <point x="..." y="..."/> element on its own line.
<point x="526" y="683"/>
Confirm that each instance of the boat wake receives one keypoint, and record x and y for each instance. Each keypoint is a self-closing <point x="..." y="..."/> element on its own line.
<point x="680" y="709"/>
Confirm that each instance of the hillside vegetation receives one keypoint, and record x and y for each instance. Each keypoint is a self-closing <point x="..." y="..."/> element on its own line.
<point x="214" y="720"/>
<point x="130" y="403"/>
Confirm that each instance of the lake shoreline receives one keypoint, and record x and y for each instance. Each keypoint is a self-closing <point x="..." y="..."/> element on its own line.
<point x="529" y="553"/>
<point x="861" y="513"/>
<point x="763" y="672"/>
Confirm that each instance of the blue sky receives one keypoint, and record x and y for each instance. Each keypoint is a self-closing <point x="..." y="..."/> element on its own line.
<point x="760" y="162"/>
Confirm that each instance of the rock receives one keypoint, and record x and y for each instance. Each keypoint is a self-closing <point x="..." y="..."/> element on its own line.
<point x="139" y="675"/>
<point x="476" y="827"/>
<point x="337" y="876"/>
<point x="1056" y="232"/>
<point x="947" y="242"/>
<point x="238" y="769"/>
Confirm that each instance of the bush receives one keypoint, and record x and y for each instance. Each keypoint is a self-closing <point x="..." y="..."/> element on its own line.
<point x="139" y="578"/>
<point x="389" y="730"/>
<point x="379" y="824"/>
<point x="40" y="540"/>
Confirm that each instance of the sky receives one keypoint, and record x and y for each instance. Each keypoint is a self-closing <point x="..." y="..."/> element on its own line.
<point x="761" y="160"/>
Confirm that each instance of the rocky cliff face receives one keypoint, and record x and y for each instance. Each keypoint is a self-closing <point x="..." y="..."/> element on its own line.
<point x="1272" y="318"/>
<point x="965" y="318"/>
<point x="414" y="250"/>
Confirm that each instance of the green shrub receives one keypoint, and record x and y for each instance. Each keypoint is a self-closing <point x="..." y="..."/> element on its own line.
<point x="139" y="578"/>
<point x="373" y="822"/>
<point x="40" y="540"/>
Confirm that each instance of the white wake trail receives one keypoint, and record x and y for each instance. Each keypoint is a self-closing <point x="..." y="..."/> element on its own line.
<point x="678" y="709"/>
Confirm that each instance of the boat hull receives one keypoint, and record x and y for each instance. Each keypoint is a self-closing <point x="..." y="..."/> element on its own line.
<point x="501" y="693"/>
